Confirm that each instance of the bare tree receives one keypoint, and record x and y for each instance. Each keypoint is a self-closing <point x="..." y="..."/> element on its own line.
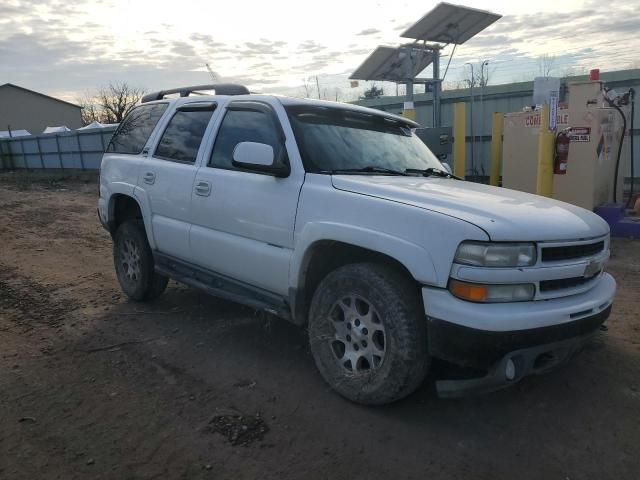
<point x="306" y="86"/>
<point x="90" y="111"/>
<point x="336" y="94"/>
<point x="110" y="104"/>
<point x="117" y="100"/>
<point x="546" y="64"/>
<point x="478" y="76"/>
<point x="573" y="71"/>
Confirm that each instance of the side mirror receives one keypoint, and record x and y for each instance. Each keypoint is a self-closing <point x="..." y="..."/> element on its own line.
<point x="447" y="168"/>
<point x="258" y="157"/>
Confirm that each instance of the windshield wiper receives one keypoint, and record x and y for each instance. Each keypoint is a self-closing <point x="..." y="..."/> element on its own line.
<point x="367" y="169"/>
<point x="432" y="172"/>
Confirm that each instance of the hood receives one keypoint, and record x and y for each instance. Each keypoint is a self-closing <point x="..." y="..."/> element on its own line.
<point x="506" y="215"/>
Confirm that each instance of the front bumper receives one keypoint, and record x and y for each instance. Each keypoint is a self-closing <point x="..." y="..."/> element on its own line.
<point x="514" y="366"/>
<point x="533" y="336"/>
<point x="502" y="317"/>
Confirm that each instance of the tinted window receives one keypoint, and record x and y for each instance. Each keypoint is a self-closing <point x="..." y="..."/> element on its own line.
<point x="135" y="129"/>
<point x="245" y="126"/>
<point x="181" y="139"/>
<point x="335" y="139"/>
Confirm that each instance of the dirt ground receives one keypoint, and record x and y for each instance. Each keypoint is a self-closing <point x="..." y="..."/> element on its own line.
<point x="189" y="386"/>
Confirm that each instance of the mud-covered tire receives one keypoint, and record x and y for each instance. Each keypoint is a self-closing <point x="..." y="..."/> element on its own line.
<point x="401" y="365"/>
<point x="134" y="263"/>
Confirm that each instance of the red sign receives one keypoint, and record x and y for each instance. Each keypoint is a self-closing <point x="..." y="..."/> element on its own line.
<point x="580" y="134"/>
<point x="533" y="120"/>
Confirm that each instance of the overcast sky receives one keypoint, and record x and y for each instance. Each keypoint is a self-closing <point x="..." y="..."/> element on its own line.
<point x="67" y="48"/>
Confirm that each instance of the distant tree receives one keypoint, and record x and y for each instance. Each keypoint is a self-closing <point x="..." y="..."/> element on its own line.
<point x="110" y="104"/>
<point x="306" y="87"/>
<point x="573" y="71"/>
<point x="336" y="94"/>
<point x="373" y="92"/>
<point x="479" y="76"/>
<point x="90" y="112"/>
<point x="546" y="64"/>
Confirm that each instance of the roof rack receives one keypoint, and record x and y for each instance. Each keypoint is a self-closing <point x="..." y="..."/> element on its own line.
<point x="220" y="89"/>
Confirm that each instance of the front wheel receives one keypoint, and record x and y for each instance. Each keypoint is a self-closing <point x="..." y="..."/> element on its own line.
<point x="368" y="334"/>
<point x="134" y="263"/>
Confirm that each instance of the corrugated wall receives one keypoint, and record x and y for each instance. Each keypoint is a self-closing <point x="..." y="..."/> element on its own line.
<point x="80" y="149"/>
<point x="502" y="98"/>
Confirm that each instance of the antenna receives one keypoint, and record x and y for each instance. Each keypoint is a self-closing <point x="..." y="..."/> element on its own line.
<point x="214" y="76"/>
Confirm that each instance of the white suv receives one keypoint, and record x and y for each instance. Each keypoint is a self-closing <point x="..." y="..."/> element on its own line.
<point x="339" y="218"/>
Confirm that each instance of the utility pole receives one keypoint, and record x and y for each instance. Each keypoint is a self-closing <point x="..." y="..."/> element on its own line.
<point x="318" y="87"/>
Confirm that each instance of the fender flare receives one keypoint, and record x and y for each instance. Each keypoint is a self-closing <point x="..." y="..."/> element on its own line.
<point x="415" y="258"/>
<point x="137" y="194"/>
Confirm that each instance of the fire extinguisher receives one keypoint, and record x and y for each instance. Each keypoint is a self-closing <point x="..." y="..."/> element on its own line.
<point x="561" y="152"/>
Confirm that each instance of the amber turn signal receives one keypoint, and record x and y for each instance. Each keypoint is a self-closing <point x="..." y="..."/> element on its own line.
<point x="468" y="291"/>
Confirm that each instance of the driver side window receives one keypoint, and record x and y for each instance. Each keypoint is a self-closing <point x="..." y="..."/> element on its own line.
<point x="242" y="123"/>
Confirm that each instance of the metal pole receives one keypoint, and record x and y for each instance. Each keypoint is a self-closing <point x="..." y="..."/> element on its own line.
<point x="80" y="150"/>
<point x="24" y="155"/>
<point x="473" y="137"/>
<point x="409" y="109"/>
<point x="482" y="85"/>
<point x="40" y="152"/>
<point x="59" y="152"/>
<point x="436" y="87"/>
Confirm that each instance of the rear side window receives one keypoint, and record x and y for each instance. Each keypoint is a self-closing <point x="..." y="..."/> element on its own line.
<point x="135" y="129"/>
<point x="246" y="125"/>
<point x="182" y="137"/>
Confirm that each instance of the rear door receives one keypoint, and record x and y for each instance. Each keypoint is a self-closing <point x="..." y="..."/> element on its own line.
<point x="124" y="155"/>
<point x="243" y="221"/>
<point x="168" y="174"/>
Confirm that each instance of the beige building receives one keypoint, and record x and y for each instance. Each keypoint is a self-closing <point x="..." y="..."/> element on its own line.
<point x="21" y="108"/>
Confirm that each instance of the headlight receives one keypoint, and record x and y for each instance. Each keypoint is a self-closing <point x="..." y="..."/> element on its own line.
<point x="475" y="292"/>
<point x="485" y="254"/>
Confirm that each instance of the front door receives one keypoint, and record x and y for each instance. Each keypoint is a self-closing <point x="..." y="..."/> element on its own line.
<point x="243" y="227"/>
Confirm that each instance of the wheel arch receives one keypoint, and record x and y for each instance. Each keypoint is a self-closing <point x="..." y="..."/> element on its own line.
<point x="128" y="202"/>
<point x="320" y="256"/>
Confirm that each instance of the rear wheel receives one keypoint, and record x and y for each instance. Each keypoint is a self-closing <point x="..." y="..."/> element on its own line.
<point x="134" y="263"/>
<point x="368" y="333"/>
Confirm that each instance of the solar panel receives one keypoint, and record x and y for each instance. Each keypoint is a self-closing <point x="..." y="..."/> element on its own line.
<point x="448" y="23"/>
<point x="390" y="64"/>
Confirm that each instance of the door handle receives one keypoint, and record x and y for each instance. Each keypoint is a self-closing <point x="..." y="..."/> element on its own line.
<point x="149" y="178"/>
<point x="203" y="188"/>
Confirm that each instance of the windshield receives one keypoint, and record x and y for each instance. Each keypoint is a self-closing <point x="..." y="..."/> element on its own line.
<point x="334" y="139"/>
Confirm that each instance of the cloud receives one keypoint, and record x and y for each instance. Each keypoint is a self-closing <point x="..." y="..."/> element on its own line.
<point x="403" y="26"/>
<point x="368" y="31"/>
<point x="263" y="48"/>
<point x="53" y="45"/>
<point x="310" y="46"/>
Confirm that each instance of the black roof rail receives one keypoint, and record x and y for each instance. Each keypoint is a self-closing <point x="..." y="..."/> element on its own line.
<point x="220" y="89"/>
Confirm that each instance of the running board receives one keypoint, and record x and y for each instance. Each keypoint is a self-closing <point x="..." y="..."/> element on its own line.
<point x="221" y="286"/>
